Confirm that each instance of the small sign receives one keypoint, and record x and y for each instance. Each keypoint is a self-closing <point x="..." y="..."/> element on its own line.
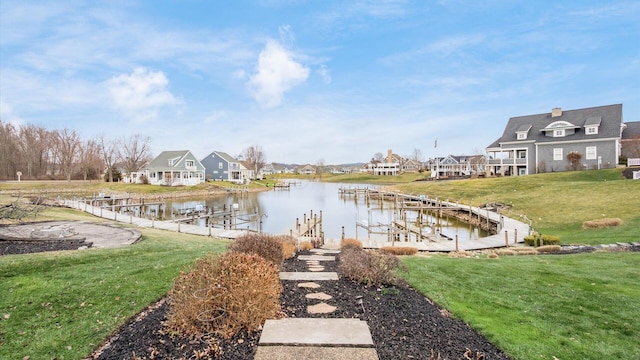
<point x="19" y="174"/>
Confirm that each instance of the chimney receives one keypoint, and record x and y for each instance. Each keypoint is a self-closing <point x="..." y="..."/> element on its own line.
<point x="389" y="156"/>
<point x="556" y="112"/>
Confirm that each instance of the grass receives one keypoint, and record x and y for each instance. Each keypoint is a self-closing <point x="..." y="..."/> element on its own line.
<point x="64" y="304"/>
<point x="541" y="307"/>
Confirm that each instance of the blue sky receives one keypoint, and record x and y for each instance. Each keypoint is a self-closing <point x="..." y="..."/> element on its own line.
<point x="336" y="81"/>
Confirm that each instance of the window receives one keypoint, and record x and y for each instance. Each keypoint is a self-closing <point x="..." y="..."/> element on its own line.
<point x="557" y="154"/>
<point x="592" y="153"/>
<point x="189" y="163"/>
<point x="220" y="165"/>
<point x="171" y="162"/>
<point x="522" y="154"/>
<point x="592" y="130"/>
<point x="522" y="136"/>
<point x="558" y="133"/>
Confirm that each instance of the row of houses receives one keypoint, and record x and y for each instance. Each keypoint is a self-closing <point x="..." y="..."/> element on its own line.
<point x="597" y="137"/>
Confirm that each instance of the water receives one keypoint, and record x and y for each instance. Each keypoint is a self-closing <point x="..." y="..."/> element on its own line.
<point x="275" y="211"/>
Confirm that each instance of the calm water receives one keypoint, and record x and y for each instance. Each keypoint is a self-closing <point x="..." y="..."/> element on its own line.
<point x="278" y="210"/>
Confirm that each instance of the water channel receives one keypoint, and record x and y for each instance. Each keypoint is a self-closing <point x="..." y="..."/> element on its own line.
<point x="275" y="212"/>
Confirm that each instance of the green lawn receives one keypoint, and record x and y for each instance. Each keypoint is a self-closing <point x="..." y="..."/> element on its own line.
<point x="64" y="304"/>
<point x="581" y="306"/>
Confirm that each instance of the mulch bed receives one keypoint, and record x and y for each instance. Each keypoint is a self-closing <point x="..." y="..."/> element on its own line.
<point x="403" y="324"/>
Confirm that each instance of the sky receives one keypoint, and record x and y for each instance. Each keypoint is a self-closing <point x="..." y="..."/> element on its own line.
<point x="313" y="81"/>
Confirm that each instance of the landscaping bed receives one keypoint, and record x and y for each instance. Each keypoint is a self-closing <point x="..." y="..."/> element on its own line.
<point x="403" y="324"/>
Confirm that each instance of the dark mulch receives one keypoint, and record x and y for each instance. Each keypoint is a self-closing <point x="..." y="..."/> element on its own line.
<point x="12" y="246"/>
<point x="403" y="323"/>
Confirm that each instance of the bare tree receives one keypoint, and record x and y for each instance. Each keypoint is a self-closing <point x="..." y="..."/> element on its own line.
<point x="255" y="157"/>
<point x="378" y="157"/>
<point x="90" y="161"/>
<point x="109" y="154"/>
<point x="134" y="152"/>
<point x="66" y="147"/>
<point x="8" y="150"/>
<point x="320" y="168"/>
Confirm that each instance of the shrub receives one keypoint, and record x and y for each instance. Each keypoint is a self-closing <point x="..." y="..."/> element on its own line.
<point x="288" y="250"/>
<point x="267" y="246"/>
<point x="306" y="245"/>
<point x="493" y="256"/>
<point x="347" y="243"/>
<point x="225" y="294"/>
<point x="602" y="223"/>
<point x="537" y="239"/>
<point x="505" y="252"/>
<point x="460" y="254"/>
<point x="548" y="248"/>
<point x="399" y="250"/>
<point x="369" y="267"/>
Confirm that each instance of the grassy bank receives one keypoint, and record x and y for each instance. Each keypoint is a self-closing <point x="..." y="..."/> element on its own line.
<point x="63" y="304"/>
<point x="542" y="307"/>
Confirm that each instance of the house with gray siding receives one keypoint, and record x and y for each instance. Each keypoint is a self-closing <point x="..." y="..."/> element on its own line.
<point x="540" y="143"/>
<point x="172" y="168"/>
<point x="221" y="166"/>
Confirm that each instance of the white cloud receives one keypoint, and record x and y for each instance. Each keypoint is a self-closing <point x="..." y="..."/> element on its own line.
<point x="277" y="72"/>
<point x="141" y="94"/>
<point x="324" y="74"/>
<point x="7" y="114"/>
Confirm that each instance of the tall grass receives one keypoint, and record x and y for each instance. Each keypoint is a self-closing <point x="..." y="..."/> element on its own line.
<point x="540" y="307"/>
<point x="64" y="304"/>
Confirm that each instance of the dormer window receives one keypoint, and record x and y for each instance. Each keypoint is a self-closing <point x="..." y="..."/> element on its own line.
<point x="560" y="129"/>
<point x="592" y="124"/>
<point x="523" y="131"/>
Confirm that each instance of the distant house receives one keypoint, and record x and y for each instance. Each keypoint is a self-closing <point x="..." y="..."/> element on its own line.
<point x="541" y="143"/>
<point x="306" y="170"/>
<point x="172" y="168"/>
<point x="410" y="165"/>
<point x="631" y="140"/>
<point x="221" y="166"/>
<point x="389" y="167"/>
<point x="456" y="166"/>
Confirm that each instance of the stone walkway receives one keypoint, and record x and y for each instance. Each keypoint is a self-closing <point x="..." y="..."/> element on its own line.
<point x="315" y="338"/>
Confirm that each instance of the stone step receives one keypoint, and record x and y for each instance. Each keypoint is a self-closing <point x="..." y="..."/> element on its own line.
<point x="309" y="276"/>
<point x="314" y="352"/>
<point x="316" y="332"/>
<point x="316" y="257"/>
<point x="325" y="251"/>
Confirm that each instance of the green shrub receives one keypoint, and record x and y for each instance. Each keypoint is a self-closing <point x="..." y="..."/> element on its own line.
<point x="267" y="246"/>
<point x="225" y="294"/>
<point x="399" y="250"/>
<point x="369" y="267"/>
<point x="537" y="239"/>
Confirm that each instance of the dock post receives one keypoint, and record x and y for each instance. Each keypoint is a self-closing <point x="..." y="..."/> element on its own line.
<point x="130" y="218"/>
<point x="456" y="242"/>
<point x="515" y="236"/>
<point x="506" y="238"/>
<point x="209" y="226"/>
<point x="153" y="222"/>
<point x="342" y="233"/>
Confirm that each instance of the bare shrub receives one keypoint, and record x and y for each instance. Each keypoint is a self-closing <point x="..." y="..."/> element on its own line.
<point x="306" y="245"/>
<point x="602" y="223"/>
<point x="399" y="250"/>
<point x="505" y="252"/>
<point x="225" y="294"/>
<point x="288" y="250"/>
<point x="369" y="267"/>
<point x="347" y="243"/>
<point x="549" y="248"/>
<point x="267" y="246"/>
<point x="493" y="256"/>
<point x="460" y="254"/>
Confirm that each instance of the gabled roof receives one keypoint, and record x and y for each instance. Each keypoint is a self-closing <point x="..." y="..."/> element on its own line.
<point x="161" y="162"/>
<point x="632" y="131"/>
<point x="610" y="122"/>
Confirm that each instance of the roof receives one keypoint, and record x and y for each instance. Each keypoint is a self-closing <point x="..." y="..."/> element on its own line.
<point x="161" y="162"/>
<point x="609" y="117"/>
<point x="632" y="131"/>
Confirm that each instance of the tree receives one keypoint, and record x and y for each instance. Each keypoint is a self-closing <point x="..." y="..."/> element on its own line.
<point x="90" y="162"/>
<point x="378" y="157"/>
<point x="66" y="148"/>
<point x="320" y="168"/>
<point x="574" y="159"/>
<point x="134" y="152"/>
<point x="254" y="156"/>
<point x="109" y="153"/>
<point x="8" y="150"/>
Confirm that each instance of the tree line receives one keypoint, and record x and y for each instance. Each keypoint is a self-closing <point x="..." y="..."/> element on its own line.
<point x="38" y="153"/>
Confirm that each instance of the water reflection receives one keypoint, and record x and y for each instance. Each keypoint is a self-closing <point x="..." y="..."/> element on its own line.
<point x="276" y="212"/>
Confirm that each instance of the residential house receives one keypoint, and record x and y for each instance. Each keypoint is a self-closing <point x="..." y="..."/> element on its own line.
<point x="389" y="167"/>
<point x="541" y="143"/>
<point x="410" y="165"/>
<point x="172" y="168"/>
<point x="456" y="166"/>
<point x="631" y="142"/>
<point x="221" y="166"/>
<point x="306" y="170"/>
